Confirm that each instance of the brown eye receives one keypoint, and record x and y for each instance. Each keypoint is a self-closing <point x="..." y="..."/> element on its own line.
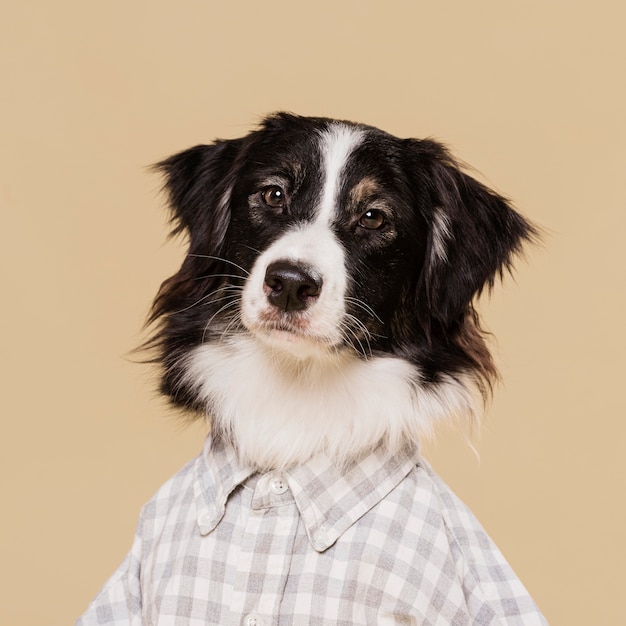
<point x="274" y="197"/>
<point x="372" y="219"/>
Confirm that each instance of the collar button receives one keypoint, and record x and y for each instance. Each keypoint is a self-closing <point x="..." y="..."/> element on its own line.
<point x="321" y="536"/>
<point x="278" y="485"/>
<point x="206" y="518"/>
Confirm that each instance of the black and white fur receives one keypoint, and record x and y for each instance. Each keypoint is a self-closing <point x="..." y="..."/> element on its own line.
<point x="325" y="303"/>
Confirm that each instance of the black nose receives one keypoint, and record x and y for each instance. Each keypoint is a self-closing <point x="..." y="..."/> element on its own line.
<point x="291" y="287"/>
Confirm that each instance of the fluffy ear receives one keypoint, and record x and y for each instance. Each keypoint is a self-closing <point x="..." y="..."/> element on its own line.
<point x="198" y="182"/>
<point x="474" y="235"/>
<point x="198" y="189"/>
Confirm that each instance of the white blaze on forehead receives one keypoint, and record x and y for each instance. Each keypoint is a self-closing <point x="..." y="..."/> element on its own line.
<point x="336" y="143"/>
<point x="313" y="245"/>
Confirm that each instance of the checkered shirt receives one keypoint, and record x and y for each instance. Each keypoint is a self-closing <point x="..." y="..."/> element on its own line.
<point x="382" y="542"/>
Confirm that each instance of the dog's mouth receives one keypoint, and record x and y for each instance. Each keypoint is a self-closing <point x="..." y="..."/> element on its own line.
<point x="290" y="333"/>
<point x="289" y="327"/>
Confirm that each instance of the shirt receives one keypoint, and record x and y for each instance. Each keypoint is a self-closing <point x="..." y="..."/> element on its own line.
<point x="383" y="541"/>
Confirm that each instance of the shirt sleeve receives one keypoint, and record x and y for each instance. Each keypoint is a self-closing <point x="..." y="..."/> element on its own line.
<point x="493" y="593"/>
<point x="119" y="602"/>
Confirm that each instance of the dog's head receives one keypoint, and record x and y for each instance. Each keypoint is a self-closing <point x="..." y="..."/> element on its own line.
<point x="324" y="239"/>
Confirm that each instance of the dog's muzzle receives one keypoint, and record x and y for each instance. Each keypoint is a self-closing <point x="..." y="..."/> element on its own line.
<point x="291" y="287"/>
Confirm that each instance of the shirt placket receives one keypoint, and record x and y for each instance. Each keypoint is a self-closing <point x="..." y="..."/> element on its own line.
<point x="270" y="519"/>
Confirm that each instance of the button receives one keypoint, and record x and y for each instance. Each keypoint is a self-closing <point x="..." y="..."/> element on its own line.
<point x="253" y="620"/>
<point x="321" y="538"/>
<point x="205" y="519"/>
<point x="278" y="485"/>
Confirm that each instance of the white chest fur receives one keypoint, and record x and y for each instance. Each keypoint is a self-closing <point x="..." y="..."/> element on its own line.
<point x="280" y="411"/>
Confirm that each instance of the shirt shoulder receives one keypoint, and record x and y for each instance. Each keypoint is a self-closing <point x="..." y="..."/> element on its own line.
<point x="461" y="525"/>
<point x="489" y="584"/>
<point x="174" y="497"/>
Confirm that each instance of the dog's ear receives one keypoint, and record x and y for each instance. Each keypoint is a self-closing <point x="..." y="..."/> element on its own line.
<point x="474" y="233"/>
<point x="198" y="184"/>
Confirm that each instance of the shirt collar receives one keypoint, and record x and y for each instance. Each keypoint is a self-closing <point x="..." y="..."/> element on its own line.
<point x="218" y="472"/>
<point x="330" y="499"/>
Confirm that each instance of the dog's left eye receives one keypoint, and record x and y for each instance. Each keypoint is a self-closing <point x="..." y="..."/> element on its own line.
<point x="273" y="196"/>
<point x="372" y="219"/>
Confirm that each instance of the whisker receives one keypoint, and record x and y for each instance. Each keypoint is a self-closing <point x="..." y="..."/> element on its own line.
<point x="352" y="340"/>
<point x="251" y="248"/>
<point x="219" y="258"/>
<point x="349" y="333"/>
<point x="366" y="307"/>
<point x="209" y="295"/>
<point x="229" y="297"/>
<point x="359" y="323"/>
<point x="220" y="310"/>
<point x="236" y="319"/>
<point x="220" y="276"/>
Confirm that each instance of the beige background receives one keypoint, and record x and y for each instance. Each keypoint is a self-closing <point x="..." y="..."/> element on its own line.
<point x="530" y="93"/>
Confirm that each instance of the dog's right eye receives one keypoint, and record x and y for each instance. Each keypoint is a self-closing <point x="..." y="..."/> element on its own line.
<point x="273" y="197"/>
<point x="372" y="220"/>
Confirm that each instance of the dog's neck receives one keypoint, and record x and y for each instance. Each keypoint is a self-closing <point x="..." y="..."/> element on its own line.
<point x="280" y="411"/>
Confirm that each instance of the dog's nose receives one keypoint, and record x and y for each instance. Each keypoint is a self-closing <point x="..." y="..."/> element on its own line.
<point x="291" y="287"/>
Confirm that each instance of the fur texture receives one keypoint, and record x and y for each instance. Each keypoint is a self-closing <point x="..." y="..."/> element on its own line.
<point x="325" y="303"/>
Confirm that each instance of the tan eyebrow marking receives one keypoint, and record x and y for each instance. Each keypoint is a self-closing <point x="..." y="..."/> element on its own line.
<point x="364" y="190"/>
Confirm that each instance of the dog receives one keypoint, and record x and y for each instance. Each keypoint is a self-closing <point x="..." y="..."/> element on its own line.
<point x="324" y="310"/>
<point x="333" y="268"/>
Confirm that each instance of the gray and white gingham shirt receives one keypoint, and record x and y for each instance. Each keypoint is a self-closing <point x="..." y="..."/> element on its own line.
<point x="383" y="542"/>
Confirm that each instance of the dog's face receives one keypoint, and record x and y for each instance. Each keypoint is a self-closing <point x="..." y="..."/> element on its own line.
<point x="320" y="224"/>
<point x="322" y="239"/>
